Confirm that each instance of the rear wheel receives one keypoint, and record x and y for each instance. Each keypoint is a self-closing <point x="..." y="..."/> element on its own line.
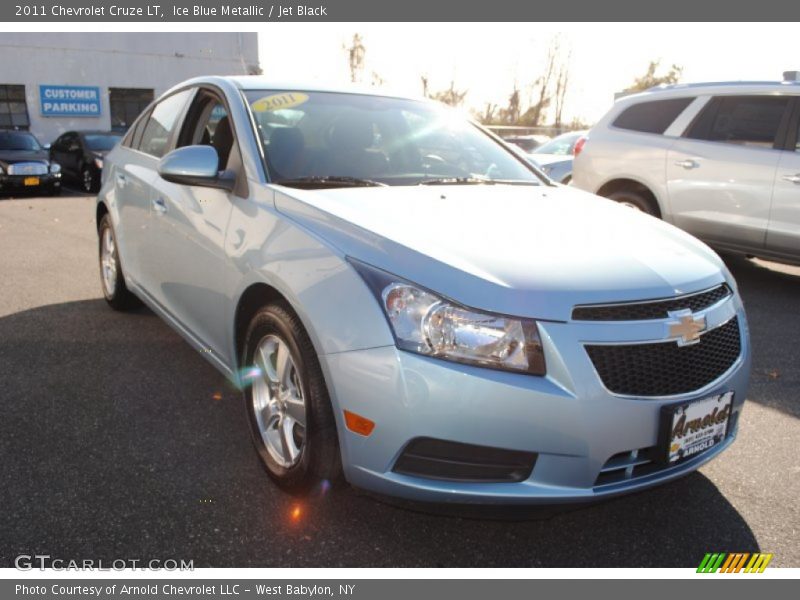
<point x="291" y="418"/>
<point x="115" y="291"/>
<point x="635" y="200"/>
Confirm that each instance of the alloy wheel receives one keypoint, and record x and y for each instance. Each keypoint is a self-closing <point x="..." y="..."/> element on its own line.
<point x="279" y="401"/>
<point x="108" y="262"/>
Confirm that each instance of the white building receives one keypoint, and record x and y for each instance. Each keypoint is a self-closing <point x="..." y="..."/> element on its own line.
<point x="56" y="82"/>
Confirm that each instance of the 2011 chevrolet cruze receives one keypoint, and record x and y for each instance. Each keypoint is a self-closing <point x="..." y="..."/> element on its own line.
<point x="405" y="300"/>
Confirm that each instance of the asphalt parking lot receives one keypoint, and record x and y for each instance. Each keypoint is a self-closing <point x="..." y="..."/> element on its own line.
<point x="118" y="440"/>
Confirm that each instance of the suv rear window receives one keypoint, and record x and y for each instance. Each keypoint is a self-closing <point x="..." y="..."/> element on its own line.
<point x="744" y="120"/>
<point x="653" y="116"/>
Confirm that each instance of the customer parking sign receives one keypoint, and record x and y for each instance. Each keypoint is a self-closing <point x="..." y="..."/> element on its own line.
<point x="69" y="101"/>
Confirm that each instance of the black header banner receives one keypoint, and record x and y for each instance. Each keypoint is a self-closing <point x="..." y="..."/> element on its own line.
<point x="259" y="11"/>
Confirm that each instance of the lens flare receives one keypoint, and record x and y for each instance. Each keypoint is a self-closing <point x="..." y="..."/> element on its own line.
<point x="247" y="376"/>
<point x="296" y="513"/>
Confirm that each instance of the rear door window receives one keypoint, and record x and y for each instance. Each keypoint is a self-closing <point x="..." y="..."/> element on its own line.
<point x="654" y="116"/>
<point x="743" y="120"/>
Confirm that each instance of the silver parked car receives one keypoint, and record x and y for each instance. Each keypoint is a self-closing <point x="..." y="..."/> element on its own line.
<point x="719" y="160"/>
<point x="406" y="302"/>
<point x="555" y="157"/>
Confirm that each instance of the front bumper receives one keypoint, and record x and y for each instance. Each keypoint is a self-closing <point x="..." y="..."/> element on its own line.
<point x="568" y="418"/>
<point x="17" y="183"/>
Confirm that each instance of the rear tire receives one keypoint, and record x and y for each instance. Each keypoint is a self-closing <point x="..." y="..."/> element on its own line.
<point x="635" y="200"/>
<point x="116" y="293"/>
<point x="297" y="455"/>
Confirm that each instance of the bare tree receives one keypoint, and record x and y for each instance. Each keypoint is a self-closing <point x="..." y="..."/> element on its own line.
<point x="487" y="117"/>
<point x="425" y="85"/>
<point x="535" y="113"/>
<point x="356" y="53"/>
<point x="650" y="79"/>
<point x="451" y="96"/>
<point x="562" y="83"/>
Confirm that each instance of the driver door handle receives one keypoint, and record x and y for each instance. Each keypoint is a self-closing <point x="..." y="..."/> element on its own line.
<point x="160" y="205"/>
<point x="688" y="163"/>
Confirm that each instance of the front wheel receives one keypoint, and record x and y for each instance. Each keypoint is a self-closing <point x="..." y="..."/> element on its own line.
<point x="116" y="293"/>
<point x="289" y="410"/>
<point x="635" y="201"/>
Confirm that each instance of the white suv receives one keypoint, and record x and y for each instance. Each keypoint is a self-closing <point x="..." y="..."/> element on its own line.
<point x="720" y="160"/>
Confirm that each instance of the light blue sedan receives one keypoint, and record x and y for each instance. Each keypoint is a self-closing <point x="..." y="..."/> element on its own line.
<point x="408" y="305"/>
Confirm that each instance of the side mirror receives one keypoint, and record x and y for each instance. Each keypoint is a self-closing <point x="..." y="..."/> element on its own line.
<point x="194" y="165"/>
<point x="47" y="146"/>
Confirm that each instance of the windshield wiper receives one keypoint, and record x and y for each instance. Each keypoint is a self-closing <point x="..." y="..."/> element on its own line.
<point x="474" y="181"/>
<point x="312" y="182"/>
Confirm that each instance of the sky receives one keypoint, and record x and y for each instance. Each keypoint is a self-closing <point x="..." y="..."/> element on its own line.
<point x="487" y="58"/>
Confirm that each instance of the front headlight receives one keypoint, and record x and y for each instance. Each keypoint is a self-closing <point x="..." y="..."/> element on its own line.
<point x="426" y="323"/>
<point x="55" y="167"/>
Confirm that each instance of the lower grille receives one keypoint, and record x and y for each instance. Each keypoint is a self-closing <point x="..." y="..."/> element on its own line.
<point x="452" y="461"/>
<point x="627" y="465"/>
<point x="665" y="368"/>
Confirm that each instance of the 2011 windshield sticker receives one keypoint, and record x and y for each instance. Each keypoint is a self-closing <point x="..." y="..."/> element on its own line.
<point x="279" y="101"/>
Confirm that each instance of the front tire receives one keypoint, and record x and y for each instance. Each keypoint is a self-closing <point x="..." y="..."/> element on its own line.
<point x="635" y="200"/>
<point x="116" y="293"/>
<point x="288" y="407"/>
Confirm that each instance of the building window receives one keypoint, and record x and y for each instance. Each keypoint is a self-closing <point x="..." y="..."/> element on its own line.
<point x="126" y="104"/>
<point x="13" y="109"/>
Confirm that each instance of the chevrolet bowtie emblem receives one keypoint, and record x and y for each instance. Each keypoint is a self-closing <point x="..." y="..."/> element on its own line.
<point x="686" y="327"/>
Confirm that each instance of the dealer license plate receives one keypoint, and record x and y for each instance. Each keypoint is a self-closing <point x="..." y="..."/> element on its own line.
<point x="692" y="428"/>
<point x="30" y="181"/>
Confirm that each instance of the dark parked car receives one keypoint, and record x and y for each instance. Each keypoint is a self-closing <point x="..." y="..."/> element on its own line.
<point x="81" y="154"/>
<point x="25" y="166"/>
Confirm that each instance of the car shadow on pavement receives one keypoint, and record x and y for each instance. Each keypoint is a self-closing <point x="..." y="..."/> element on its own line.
<point x="771" y="295"/>
<point x="119" y="441"/>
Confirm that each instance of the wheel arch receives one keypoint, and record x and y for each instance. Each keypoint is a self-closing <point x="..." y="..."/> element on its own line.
<point x="100" y="212"/>
<point x="631" y="184"/>
<point x="253" y="298"/>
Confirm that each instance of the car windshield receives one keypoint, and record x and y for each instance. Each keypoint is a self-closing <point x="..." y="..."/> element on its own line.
<point x="323" y="139"/>
<point x="18" y="140"/>
<point x="563" y="144"/>
<point x="100" y="142"/>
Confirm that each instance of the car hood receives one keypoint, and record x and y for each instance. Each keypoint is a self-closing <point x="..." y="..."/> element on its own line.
<point x="532" y="251"/>
<point x="9" y="157"/>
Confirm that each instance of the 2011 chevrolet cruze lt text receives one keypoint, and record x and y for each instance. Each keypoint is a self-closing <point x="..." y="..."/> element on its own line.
<point x="404" y="300"/>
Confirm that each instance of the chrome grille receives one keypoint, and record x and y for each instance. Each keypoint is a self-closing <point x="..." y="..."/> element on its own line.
<point x="651" y="309"/>
<point x="665" y="368"/>
<point x="27" y="168"/>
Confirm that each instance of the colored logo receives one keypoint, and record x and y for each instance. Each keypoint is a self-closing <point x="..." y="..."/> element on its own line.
<point x="744" y="562"/>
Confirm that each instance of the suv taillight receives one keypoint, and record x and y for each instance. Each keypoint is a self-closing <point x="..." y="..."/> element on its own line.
<point x="579" y="145"/>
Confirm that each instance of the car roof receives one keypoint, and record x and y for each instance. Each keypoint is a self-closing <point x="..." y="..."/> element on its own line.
<point x="727" y="84"/>
<point x="260" y="82"/>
